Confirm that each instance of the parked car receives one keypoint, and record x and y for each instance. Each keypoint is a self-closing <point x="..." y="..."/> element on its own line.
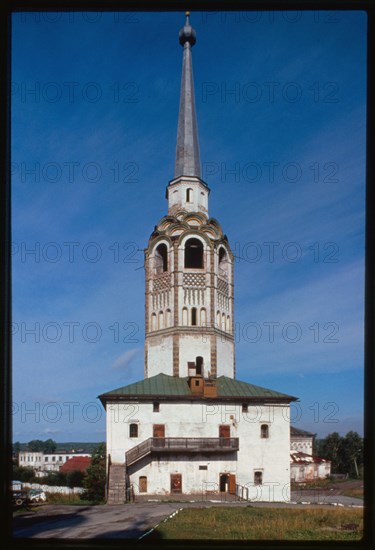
<point x="20" y="498"/>
<point x="37" y="495"/>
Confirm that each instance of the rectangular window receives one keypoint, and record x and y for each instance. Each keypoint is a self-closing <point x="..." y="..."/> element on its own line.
<point x="156" y="407"/>
<point x="53" y="459"/>
<point x="245" y="408"/>
<point x="203" y="467"/>
<point x="60" y="458"/>
<point x="46" y="459"/>
<point x="258" y="478"/>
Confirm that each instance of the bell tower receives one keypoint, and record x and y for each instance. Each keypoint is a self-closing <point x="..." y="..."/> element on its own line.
<point x="189" y="263"/>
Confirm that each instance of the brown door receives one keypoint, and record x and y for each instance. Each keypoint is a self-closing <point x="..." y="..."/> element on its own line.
<point x="143" y="484"/>
<point x="176" y="483"/>
<point x="224" y="430"/>
<point x="159" y="430"/>
<point x="232" y="484"/>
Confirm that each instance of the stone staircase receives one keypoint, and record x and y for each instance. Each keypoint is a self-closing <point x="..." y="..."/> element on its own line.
<point x="116" y="484"/>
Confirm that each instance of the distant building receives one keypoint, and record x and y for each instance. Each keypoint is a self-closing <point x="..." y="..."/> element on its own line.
<point x="302" y="441"/>
<point x="304" y="467"/>
<point x="46" y="462"/>
<point x="80" y="463"/>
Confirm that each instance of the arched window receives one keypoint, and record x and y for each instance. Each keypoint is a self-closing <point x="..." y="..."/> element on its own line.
<point x="199" y="364"/>
<point x="184" y="316"/>
<point x="161" y="258"/>
<point x="161" y="320"/>
<point x="168" y="321"/>
<point x="203" y="317"/>
<point x="264" y="431"/>
<point x="189" y="195"/>
<point x="223" y="321"/>
<point x="218" y="319"/>
<point x="194" y="254"/>
<point x="228" y="323"/>
<point x="153" y="321"/>
<point x="133" y="430"/>
<point x="193" y="316"/>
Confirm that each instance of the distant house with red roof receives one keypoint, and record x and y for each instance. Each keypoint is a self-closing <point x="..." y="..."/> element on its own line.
<point x="80" y="463"/>
<point x="304" y="467"/>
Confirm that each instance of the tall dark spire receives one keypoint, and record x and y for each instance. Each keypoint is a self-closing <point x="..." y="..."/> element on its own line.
<point x="187" y="151"/>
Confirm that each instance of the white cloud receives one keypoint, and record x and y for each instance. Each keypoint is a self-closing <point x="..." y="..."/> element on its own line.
<point x="125" y="359"/>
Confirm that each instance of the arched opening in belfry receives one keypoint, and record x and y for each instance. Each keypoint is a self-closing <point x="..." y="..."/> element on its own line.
<point x="223" y="262"/>
<point x="194" y="254"/>
<point x="161" y="258"/>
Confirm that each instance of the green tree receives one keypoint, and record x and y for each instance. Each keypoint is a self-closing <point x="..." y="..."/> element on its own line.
<point x="95" y="478"/>
<point x="352" y="454"/>
<point x="331" y="449"/>
<point x="49" y="446"/>
<point x="20" y="473"/>
<point x="35" y="446"/>
<point x="75" y="478"/>
<point x="16" y="448"/>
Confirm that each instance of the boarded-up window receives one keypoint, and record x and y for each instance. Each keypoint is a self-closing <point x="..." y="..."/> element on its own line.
<point x="176" y="483"/>
<point x="224" y="430"/>
<point x="159" y="430"/>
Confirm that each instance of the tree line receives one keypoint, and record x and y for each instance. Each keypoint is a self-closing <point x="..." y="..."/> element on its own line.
<point x="344" y="452"/>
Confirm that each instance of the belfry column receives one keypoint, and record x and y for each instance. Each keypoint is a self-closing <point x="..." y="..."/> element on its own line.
<point x="188" y="262"/>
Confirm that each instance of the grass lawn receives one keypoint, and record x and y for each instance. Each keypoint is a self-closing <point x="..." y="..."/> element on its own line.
<point x="252" y="523"/>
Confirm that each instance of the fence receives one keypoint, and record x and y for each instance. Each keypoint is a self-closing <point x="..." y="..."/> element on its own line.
<point x="54" y="489"/>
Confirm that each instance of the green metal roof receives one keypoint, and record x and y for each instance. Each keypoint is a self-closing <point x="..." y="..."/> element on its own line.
<point x="163" y="385"/>
<point x="228" y="387"/>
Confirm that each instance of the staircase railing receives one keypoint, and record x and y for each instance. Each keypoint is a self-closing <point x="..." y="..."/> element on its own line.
<point x="242" y="492"/>
<point x="107" y="477"/>
<point x="138" y="451"/>
<point x="181" y="444"/>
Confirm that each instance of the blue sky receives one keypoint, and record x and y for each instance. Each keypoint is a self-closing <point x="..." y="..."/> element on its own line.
<point x="281" y="106"/>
